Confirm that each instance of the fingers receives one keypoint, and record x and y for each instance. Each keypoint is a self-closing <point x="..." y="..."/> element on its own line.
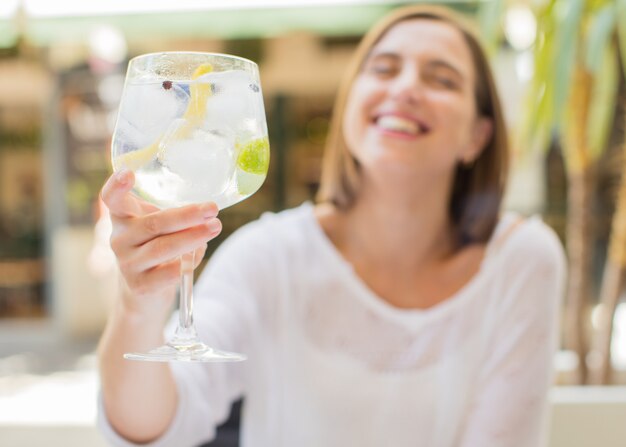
<point x="146" y="228"/>
<point x="116" y="196"/>
<point x="148" y="242"/>
<point x="165" y="248"/>
<point x="161" y="277"/>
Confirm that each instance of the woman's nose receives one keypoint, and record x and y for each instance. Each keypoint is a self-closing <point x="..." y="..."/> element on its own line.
<point x="407" y="86"/>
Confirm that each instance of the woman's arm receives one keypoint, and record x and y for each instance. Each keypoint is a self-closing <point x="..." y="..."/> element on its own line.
<point x="140" y="399"/>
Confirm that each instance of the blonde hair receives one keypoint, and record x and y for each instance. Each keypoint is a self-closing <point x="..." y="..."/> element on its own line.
<point x="477" y="189"/>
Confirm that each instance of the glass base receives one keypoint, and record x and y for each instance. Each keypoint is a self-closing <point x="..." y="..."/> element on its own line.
<point x="196" y="352"/>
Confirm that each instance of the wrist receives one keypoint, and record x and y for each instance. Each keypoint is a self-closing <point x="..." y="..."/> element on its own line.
<point x="130" y="331"/>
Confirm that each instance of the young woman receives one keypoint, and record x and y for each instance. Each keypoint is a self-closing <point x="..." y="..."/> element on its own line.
<point x="403" y="309"/>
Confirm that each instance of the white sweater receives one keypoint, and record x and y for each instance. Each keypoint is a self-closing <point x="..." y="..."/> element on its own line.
<point x="333" y="365"/>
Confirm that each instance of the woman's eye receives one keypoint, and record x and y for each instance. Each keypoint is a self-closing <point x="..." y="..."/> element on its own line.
<point x="381" y="69"/>
<point x="445" y="82"/>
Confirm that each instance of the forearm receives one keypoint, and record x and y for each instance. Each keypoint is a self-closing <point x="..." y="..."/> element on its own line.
<point x="140" y="398"/>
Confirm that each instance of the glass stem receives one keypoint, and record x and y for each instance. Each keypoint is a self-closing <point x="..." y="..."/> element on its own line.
<point x="186" y="331"/>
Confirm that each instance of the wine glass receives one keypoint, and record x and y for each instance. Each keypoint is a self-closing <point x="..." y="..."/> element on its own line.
<point x="192" y="128"/>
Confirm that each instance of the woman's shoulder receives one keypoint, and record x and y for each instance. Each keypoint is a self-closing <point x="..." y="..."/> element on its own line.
<point x="527" y="240"/>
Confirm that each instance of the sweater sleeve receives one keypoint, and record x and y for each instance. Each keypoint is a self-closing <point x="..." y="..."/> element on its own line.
<point x="226" y="306"/>
<point x="510" y="405"/>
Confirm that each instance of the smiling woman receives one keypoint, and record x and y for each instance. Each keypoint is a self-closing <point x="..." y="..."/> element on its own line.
<point x="440" y="63"/>
<point x="413" y="111"/>
<point x="400" y="309"/>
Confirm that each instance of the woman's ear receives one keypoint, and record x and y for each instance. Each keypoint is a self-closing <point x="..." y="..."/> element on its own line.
<point x="481" y="134"/>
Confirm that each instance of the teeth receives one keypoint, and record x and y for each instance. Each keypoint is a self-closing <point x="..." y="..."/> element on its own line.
<point x="395" y="123"/>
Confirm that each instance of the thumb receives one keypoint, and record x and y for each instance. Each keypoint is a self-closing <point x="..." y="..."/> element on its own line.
<point x="117" y="197"/>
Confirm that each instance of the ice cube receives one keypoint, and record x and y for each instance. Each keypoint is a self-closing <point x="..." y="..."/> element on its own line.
<point x="204" y="160"/>
<point x="128" y="137"/>
<point x="235" y="103"/>
<point x="148" y="109"/>
<point x="248" y="183"/>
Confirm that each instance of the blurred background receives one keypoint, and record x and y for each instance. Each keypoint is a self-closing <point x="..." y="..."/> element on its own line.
<point x="560" y="70"/>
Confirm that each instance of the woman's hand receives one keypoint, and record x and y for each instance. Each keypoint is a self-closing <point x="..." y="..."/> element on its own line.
<point x="148" y="243"/>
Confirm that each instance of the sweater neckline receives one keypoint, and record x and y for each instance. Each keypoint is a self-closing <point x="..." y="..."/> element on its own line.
<point x="336" y="260"/>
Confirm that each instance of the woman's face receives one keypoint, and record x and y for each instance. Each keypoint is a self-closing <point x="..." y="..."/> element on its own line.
<point x="413" y="104"/>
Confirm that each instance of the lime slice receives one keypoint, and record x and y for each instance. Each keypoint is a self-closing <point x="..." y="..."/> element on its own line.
<point x="254" y="156"/>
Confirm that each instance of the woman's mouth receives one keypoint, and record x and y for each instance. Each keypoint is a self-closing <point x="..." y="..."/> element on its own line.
<point x="395" y="124"/>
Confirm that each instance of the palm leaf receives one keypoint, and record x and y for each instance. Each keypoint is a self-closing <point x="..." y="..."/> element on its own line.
<point x="598" y="36"/>
<point x="489" y="20"/>
<point x="603" y="100"/>
<point x="569" y="18"/>
<point x="538" y="119"/>
<point x="621" y="30"/>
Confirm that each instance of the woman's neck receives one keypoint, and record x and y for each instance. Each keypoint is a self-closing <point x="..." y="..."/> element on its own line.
<point x="390" y="225"/>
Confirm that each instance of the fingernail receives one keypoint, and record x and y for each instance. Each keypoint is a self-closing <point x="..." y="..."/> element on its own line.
<point x="122" y="176"/>
<point x="208" y="210"/>
<point x="215" y="226"/>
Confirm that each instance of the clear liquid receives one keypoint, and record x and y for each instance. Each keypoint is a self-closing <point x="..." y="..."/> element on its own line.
<point x="182" y="153"/>
<point x="158" y="185"/>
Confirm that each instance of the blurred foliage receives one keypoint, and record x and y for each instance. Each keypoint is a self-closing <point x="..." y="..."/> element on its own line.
<point x="571" y="101"/>
<point x="574" y="35"/>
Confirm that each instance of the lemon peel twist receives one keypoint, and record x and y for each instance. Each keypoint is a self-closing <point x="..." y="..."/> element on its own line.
<point x="199" y="94"/>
